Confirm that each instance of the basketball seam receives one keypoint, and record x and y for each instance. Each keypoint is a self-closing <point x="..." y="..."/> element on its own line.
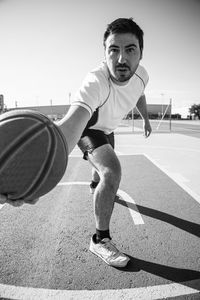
<point x="44" y="174"/>
<point x="44" y="171"/>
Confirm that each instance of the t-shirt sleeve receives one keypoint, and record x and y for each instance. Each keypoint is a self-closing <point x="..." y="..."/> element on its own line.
<point x="88" y="96"/>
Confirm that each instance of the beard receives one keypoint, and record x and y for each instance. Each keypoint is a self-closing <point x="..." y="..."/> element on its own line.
<point x="121" y="77"/>
<point x="123" y="73"/>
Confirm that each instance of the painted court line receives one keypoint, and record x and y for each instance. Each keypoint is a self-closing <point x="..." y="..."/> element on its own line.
<point x="143" y="293"/>
<point x="176" y="177"/>
<point x="127" y="146"/>
<point x="73" y="183"/>
<point x="1" y="206"/>
<point x="136" y="216"/>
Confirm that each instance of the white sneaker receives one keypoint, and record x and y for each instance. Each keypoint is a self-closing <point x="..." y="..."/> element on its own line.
<point x="107" y="251"/>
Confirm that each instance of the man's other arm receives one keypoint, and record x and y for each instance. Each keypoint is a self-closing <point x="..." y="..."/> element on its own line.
<point x="142" y="108"/>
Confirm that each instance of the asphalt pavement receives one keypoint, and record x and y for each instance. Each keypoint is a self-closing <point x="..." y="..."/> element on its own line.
<point x="156" y="221"/>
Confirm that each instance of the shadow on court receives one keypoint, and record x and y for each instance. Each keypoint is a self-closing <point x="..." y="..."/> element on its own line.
<point x="185" y="225"/>
<point x="173" y="274"/>
<point x="178" y="275"/>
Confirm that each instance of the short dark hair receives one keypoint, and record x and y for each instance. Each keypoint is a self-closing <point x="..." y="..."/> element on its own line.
<point x="124" y="25"/>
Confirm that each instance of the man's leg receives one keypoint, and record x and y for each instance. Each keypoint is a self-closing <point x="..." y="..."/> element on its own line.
<point x="95" y="180"/>
<point x="108" y="167"/>
<point x="95" y="176"/>
<point x="107" y="164"/>
<point x="98" y="149"/>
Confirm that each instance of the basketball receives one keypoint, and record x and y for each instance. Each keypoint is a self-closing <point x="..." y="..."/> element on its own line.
<point x="33" y="154"/>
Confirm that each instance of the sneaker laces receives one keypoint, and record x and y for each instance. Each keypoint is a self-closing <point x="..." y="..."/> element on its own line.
<point x="108" y="245"/>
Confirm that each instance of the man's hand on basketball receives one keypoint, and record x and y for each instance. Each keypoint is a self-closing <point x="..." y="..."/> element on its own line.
<point x="5" y="200"/>
<point x="147" y="128"/>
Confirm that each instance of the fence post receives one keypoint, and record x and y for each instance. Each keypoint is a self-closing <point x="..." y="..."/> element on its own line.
<point x="170" y="115"/>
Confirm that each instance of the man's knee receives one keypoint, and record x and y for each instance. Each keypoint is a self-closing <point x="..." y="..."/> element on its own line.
<point x="112" y="177"/>
<point x="106" y="162"/>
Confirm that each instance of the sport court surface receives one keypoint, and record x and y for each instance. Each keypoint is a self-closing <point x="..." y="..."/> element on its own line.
<point x="44" y="248"/>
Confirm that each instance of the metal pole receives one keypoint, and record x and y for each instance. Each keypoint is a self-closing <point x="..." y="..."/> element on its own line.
<point x="170" y="115"/>
<point x="162" y="117"/>
<point x="162" y="95"/>
<point x="133" y="119"/>
<point x="51" y="109"/>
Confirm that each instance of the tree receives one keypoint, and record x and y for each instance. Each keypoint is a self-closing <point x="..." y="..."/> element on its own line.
<point x="195" y="109"/>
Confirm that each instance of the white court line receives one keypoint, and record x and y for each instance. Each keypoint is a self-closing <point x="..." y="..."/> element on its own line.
<point x="73" y="183"/>
<point x="136" y="216"/>
<point x="187" y="129"/>
<point x="1" y="206"/>
<point x="151" y="292"/>
<point x="177" y="178"/>
<point x="154" y="147"/>
<point x="80" y="155"/>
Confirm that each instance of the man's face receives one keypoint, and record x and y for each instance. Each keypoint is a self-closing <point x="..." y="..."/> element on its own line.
<point x="122" y="54"/>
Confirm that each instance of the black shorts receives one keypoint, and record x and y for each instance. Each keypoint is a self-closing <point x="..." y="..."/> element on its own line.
<point x="92" y="139"/>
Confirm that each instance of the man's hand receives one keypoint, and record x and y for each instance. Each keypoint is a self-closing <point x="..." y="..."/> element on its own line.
<point x="147" y="128"/>
<point x="142" y="108"/>
<point x="5" y="200"/>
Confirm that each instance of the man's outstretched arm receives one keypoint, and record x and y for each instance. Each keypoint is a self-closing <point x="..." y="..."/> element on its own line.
<point x="73" y="124"/>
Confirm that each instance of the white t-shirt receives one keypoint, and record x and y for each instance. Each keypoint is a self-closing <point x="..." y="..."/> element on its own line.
<point x="108" y="101"/>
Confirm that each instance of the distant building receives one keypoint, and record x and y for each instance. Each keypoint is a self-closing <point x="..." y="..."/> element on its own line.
<point x="1" y="103"/>
<point x="54" y="112"/>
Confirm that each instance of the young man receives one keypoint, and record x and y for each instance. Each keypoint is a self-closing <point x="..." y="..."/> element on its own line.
<point x="106" y="95"/>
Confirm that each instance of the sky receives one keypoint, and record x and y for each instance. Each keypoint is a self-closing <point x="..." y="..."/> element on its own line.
<point x="48" y="46"/>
